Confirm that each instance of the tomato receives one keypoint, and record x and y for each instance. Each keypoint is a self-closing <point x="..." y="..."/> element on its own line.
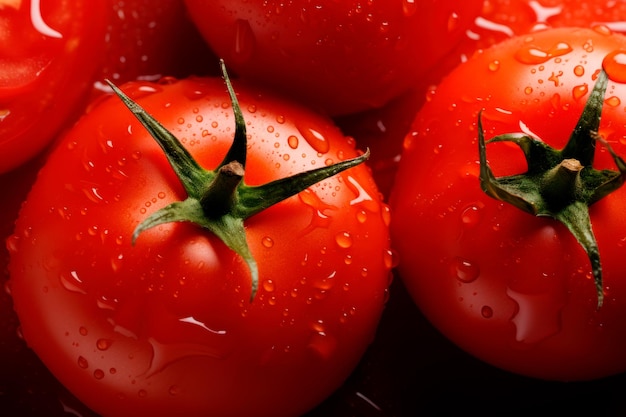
<point x="502" y="19"/>
<point x="167" y="326"/>
<point x="340" y="59"/>
<point x="148" y="40"/>
<point x="49" y="55"/>
<point x="517" y="290"/>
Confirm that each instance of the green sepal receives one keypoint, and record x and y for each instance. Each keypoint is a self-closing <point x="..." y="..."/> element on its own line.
<point x="560" y="184"/>
<point x="219" y="200"/>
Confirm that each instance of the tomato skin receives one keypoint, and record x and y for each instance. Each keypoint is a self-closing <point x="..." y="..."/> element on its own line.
<point x="340" y="58"/>
<point x="166" y="327"/>
<point x="512" y="289"/>
<point x="47" y="68"/>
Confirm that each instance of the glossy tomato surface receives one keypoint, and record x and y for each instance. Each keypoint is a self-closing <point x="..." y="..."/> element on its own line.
<point x="166" y="327"/>
<point x="49" y="54"/>
<point x="339" y="57"/>
<point x="513" y="289"/>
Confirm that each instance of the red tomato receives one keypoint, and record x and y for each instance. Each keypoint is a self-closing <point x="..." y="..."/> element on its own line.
<point x="166" y="327"/>
<point x="148" y="40"/>
<point x="49" y="55"/>
<point x="339" y="58"/>
<point x="502" y="19"/>
<point x="512" y="289"/>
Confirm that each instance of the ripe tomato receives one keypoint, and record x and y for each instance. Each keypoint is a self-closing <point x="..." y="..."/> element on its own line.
<point x="166" y="327"/>
<point x="49" y="55"/>
<point x="148" y="40"/>
<point x="512" y="289"/>
<point x="502" y="19"/>
<point x="341" y="57"/>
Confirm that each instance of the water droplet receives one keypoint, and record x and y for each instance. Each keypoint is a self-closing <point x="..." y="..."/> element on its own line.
<point x="409" y="7"/>
<point x="362" y="197"/>
<point x="344" y="240"/>
<point x="494" y="66"/>
<point x="98" y="374"/>
<point x="613" y="101"/>
<point x="104" y="344"/>
<point x="580" y="91"/>
<point x="267" y="241"/>
<point x="82" y="362"/>
<point x="314" y="138"/>
<point x="244" y="41"/>
<point x="538" y="316"/>
<point x="361" y="216"/>
<point x="464" y="270"/>
<point x="293" y="142"/>
<point x="268" y="285"/>
<point x="390" y="258"/>
<point x="471" y="215"/>
<point x="83" y="331"/>
<point x="71" y="282"/>
<point x="614" y="64"/>
<point x="531" y="54"/>
<point x="142" y="393"/>
<point x="579" y="70"/>
<point x="486" y="312"/>
<point x="322" y="344"/>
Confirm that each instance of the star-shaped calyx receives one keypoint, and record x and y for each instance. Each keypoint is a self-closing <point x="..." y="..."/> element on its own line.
<point x="219" y="200"/>
<point x="560" y="184"/>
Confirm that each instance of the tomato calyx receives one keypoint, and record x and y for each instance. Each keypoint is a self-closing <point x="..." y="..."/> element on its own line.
<point x="560" y="184"/>
<point x="219" y="200"/>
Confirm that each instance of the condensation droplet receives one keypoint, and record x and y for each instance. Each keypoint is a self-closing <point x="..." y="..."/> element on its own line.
<point x="315" y="139"/>
<point x="98" y="374"/>
<point x="530" y="54"/>
<point x="293" y="142"/>
<point x="409" y="7"/>
<point x="83" y="331"/>
<point x="579" y="70"/>
<point x="464" y="270"/>
<point x="103" y="344"/>
<point x="471" y="215"/>
<point x="268" y="285"/>
<point x="494" y="65"/>
<point x="614" y="64"/>
<point x="486" y="312"/>
<point x="580" y="91"/>
<point x="82" y="362"/>
<point x="322" y="344"/>
<point x="267" y="241"/>
<point x="344" y="240"/>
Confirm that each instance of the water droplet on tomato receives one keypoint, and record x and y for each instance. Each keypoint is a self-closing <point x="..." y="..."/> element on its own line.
<point x="267" y="242"/>
<point x="613" y="101"/>
<point x="361" y="216"/>
<point x="579" y="70"/>
<point x="580" y="91"/>
<point x="409" y="7"/>
<point x="314" y="138"/>
<point x="71" y="282"/>
<point x="464" y="270"/>
<point x="538" y="315"/>
<point x="12" y="243"/>
<point x="344" y="240"/>
<point x="98" y="374"/>
<point x="614" y="64"/>
<point x="471" y="216"/>
<point x="244" y="41"/>
<point x="361" y="196"/>
<point x="494" y="65"/>
<point x="533" y="55"/>
<point x="268" y="285"/>
<point x="486" y="312"/>
<point x="390" y="258"/>
<point x="293" y="142"/>
<point x="103" y="344"/>
<point x="82" y="362"/>
<point x="83" y="331"/>
<point x="322" y="344"/>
